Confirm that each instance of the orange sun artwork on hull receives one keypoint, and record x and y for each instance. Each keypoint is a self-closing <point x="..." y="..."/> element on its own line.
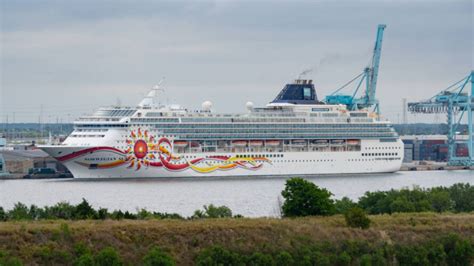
<point x="141" y="148"/>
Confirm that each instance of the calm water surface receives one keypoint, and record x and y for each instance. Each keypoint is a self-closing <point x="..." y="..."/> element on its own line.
<point x="247" y="196"/>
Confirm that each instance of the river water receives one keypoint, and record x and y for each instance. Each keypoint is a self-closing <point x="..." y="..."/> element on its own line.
<point x="250" y="197"/>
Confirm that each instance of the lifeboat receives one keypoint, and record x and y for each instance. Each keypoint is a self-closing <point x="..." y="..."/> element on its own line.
<point x="337" y="142"/>
<point x="256" y="143"/>
<point x="272" y="143"/>
<point x="353" y="142"/>
<point x="320" y="142"/>
<point x="195" y="144"/>
<point x="239" y="143"/>
<point x="180" y="143"/>
<point x="298" y="142"/>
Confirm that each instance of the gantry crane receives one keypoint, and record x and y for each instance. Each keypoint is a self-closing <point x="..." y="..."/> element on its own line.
<point x="370" y="75"/>
<point x="454" y="100"/>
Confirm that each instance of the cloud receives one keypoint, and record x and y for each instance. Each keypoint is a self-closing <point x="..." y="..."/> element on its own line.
<point x="91" y="52"/>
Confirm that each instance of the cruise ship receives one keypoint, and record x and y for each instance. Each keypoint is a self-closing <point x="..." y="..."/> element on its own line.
<point x="296" y="134"/>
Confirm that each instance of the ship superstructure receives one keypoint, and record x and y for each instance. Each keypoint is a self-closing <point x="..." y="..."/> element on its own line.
<point x="295" y="134"/>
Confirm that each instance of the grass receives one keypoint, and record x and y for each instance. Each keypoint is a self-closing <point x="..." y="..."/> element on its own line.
<point x="57" y="241"/>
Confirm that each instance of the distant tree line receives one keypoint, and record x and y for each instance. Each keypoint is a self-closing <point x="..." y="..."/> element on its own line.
<point x="304" y="198"/>
<point x="83" y="210"/>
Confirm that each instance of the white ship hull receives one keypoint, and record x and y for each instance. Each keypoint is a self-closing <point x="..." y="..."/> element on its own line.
<point x="374" y="157"/>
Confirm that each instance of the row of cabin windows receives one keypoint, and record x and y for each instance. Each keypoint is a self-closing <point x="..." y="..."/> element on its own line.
<point x="380" y="154"/>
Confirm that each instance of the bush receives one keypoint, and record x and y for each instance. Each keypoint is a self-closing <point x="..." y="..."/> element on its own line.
<point x="303" y="198"/>
<point x="284" y="259"/>
<point x="463" y="197"/>
<point x="156" y="257"/>
<point x="343" y="205"/>
<point x="212" y="211"/>
<point x="8" y="260"/>
<point x="343" y="259"/>
<point x="84" y="260"/>
<point x="259" y="259"/>
<point x="108" y="257"/>
<point x="458" y="251"/>
<point x="357" y="218"/>
<point x="217" y="255"/>
<point x="3" y="215"/>
<point x="366" y="260"/>
<point x="84" y="210"/>
<point x="441" y="201"/>
<point x="412" y="255"/>
<point x="19" y="212"/>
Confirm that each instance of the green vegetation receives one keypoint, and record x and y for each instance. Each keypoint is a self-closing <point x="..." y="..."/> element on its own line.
<point x="357" y="218"/>
<point x="304" y="198"/>
<point x="397" y="239"/>
<point x="457" y="198"/>
<point x="443" y="234"/>
<point x="212" y="211"/>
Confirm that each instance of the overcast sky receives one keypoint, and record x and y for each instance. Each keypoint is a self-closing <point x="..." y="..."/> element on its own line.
<point x="74" y="56"/>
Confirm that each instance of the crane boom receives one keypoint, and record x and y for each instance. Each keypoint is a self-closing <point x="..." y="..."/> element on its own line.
<point x="370" y="75"/>
<point x="374" y="69"/>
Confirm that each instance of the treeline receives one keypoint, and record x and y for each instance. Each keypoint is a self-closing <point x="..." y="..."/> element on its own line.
<point x="304" y="198"/>
<point x="83" y="210"/>
<point x="301" y="198"/>
<point x="450" y="249"/>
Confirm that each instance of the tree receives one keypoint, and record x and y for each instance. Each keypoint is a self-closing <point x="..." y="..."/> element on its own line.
<point x="84" y="210"/>
<point x="157" y="257"/>
<point x="441" y="201"/>
<point x="343" y="205"/>
<point x="303" y="198"/>
<point x="357" y="218"/>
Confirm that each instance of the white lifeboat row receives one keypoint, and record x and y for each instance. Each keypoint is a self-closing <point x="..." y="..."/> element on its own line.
<point x="273" y="143"/>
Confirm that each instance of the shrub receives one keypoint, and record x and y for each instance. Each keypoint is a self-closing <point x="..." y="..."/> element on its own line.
<point x="303" y="198"/>
<point x="357" y="218"/>
<point x="84" y="210"/>
<point x="3" y="215"/>
<point x="343" y="259"/>
<point x="108" y="257"/>
<point x="156" y="257"/>
<point x="102" y="214"/>
<point x="19" y="212"/>
<point x="217" y="255"/>
<point x="343" y="205"/>
<point x="284" y="259"/>
<point x="463" y="197"/>
<point x="366" y="260"/>
<point x="458" y="251"/>
<point x="259" y="259"/>
<point x="212" y="211"/>
<point x="441" y="201"/>
<point x="62" y="210"/>
<point x="84" y="260"/>
<point x="411" y="255"/>
<point x="8" y="260"/>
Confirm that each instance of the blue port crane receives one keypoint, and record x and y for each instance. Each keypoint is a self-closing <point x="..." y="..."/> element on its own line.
<point x="369" y="75"/>
<point x="455" y="100"/>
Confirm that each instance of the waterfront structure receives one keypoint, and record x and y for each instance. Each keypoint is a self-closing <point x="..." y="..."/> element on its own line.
<point x="295" y="134"/>
<point x="454" y="100"/>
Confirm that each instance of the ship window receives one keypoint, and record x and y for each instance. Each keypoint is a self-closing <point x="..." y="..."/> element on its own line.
<point x="307" y="93"/>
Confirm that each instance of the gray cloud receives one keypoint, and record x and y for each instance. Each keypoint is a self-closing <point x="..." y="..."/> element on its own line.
<point x="72" y="56"/>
